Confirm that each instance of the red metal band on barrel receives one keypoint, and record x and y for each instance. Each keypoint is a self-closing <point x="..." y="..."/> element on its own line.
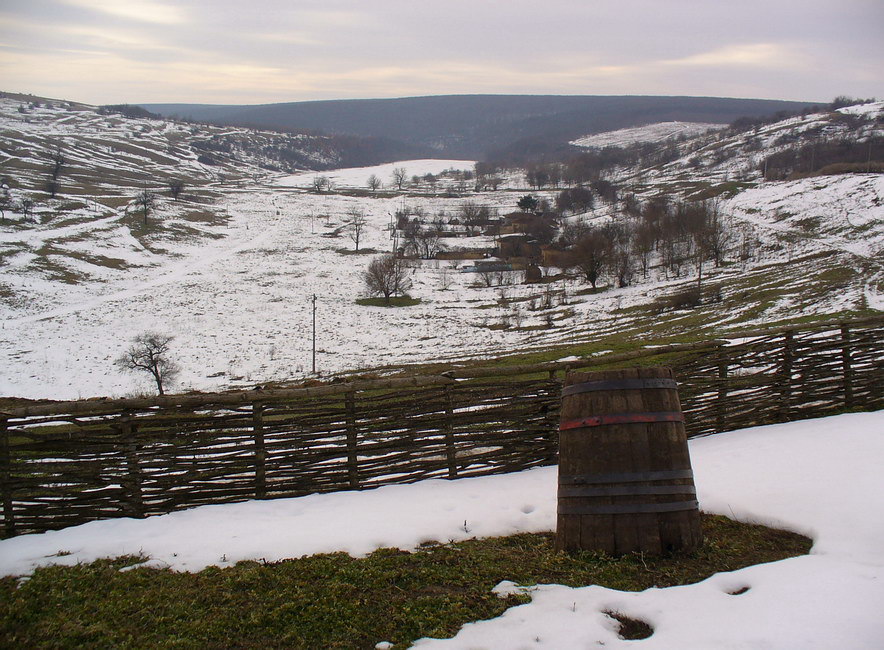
<point x="622" y="418"/>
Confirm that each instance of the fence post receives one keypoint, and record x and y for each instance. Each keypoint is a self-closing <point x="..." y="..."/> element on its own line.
<point x="127" y="433"/>
<point x="846" y="365"/>
<point x="721" y="404"/>
<point x="450" y="450"/>
<point x="260" y="451"/>
<point x="786" y="375"/>
<point x="352" y="459"/>
<point x="6" y="479"/>
<point x="552" y="414"/>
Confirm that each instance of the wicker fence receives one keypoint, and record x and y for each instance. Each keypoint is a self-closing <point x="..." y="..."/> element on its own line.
<point x="70" y="462"/>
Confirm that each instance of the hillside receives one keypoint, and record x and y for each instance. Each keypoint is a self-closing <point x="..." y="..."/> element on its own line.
<point x="471" y="126"/>
<point x="230" y="267"/>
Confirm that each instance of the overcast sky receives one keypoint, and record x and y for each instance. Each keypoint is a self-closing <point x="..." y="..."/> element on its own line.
<point x="257" y="51"/>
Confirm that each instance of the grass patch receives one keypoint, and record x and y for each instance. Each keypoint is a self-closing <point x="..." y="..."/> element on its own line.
<point x="395" y="301"/>
<point x="350" y="251"/>
<point x="335" y="601"/>
<point x="630" y="629"/>
<point x="727" y="189"/>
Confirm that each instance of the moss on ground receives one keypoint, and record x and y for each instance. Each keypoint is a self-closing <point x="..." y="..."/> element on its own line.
<point x="336" y="601"/>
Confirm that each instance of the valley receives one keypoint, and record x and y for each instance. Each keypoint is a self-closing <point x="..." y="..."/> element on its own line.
<point x="230" y="266"/>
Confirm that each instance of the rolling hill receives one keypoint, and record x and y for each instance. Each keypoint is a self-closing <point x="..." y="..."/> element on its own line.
<point x="229" y="267"/>
<point x="471" y="126"/>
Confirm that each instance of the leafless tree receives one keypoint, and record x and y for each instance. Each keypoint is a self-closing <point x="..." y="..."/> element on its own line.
<point x="425" y="242"/>
<point x="320" y="183"/>
<point x="149" y="352"/>
<point x="473" y="216"/>
<point x="643" y="245"/>
<point x="58" y="160"/>
<point x="356" y="227"/>
<point x="718" y="235"/>
<point x="5" y="202"/>
<point x="445" y="279"/>
<point x="399" y="177"/>
<point x="26" y="205"/>
<point x="573" y="231"/>
<point x="592" y="255"/>
<point x="488" y="276"/>
<point x="386" y="276"/>
<point x="176" y="187"/>
<point x="373" y="183"/>
<point x="146" y="201"/>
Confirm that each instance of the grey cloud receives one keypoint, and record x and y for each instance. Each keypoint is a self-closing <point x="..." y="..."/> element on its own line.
<point x="345" y="48"/>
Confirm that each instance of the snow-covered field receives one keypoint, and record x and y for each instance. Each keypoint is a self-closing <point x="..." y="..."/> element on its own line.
<point x="820" y="478"/>
<point x="239" y="302"/>
<point x="658" y="132"/>
<point x="230" y="270"/>
<point x="357" y="177"/>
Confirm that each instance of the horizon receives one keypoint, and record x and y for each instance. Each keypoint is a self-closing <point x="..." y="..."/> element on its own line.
<point x="404" y="97"/>
<point x="154" y="51"/>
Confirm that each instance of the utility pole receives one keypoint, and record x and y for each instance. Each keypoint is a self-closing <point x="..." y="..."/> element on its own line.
<point x="314" y="333"/>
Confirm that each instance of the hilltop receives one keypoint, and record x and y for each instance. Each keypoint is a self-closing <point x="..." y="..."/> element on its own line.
<point x="230" y="265"/>
<point x="474" y="126"/>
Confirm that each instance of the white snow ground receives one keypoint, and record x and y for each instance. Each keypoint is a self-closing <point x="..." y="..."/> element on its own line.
<point x="234" y="286"/>
<point x="820" y="477"/>
<point x="657" y="132"/>
<point x="357" y="177"/>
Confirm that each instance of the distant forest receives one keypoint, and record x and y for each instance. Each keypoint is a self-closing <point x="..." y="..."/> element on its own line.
<point x="481" y="127"/>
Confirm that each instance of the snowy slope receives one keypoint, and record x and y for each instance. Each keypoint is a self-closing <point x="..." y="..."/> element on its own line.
<point x="229" y="268"/>
<point x="771" y="475"/>
<point x="658" y="132"/>
<point x="728" y="156"/>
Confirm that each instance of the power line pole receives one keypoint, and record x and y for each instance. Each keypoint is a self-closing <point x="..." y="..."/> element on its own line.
<point x="314" y="333"/>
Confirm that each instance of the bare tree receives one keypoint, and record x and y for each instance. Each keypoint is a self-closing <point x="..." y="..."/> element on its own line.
<point x="176" y="187"/>
<point x="5" y="202"/>
<point x="149" y="352"/>
<point x="356" y="227"/>
<point x="473" y="216"/>
<point x="26" y="205"/>
<point x="373" y="183"/>
<point x="320" y="183"/>
<point x="573" y="231"/>
<point x="422" y="241"/>
<point x="643" y="245"/>
<point x="592" y="254"/>
<point x="445" y="279"/>
<point x="58" y="162"/>
<point x="386" y="276"/>
<point x="146" y="202"/>
<point x="399" y="177"/>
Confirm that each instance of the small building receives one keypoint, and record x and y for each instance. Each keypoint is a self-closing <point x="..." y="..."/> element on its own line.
<point x="533" y="274"/>
<point x="487" y="266"/>
<point x="518" y="245"/>
<point x="553" y="256"/>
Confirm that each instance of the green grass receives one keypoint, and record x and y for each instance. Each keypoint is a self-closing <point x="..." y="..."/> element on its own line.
<point x="335" y="601"/>
<point x="395" y="301"/>
<point x="361" y="251"/>
<point x="727" y="189"/>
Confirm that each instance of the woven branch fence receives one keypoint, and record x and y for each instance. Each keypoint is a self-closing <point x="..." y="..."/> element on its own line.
<point x="67" y="463"/>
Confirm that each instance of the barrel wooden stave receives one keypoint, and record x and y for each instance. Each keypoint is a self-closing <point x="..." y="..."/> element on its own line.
<point x="625" y="448"/>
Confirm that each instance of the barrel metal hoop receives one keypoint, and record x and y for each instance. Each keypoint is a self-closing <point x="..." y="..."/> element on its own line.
<point x="624" y="490"/>
<point x="622" y="418"/>
<point x="627" y="508"/>
<point x="618" y="384"/>
<point x="625" y="477"/>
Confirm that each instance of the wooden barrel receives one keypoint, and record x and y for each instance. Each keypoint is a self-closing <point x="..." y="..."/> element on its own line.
<point x="625" y="479"/>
